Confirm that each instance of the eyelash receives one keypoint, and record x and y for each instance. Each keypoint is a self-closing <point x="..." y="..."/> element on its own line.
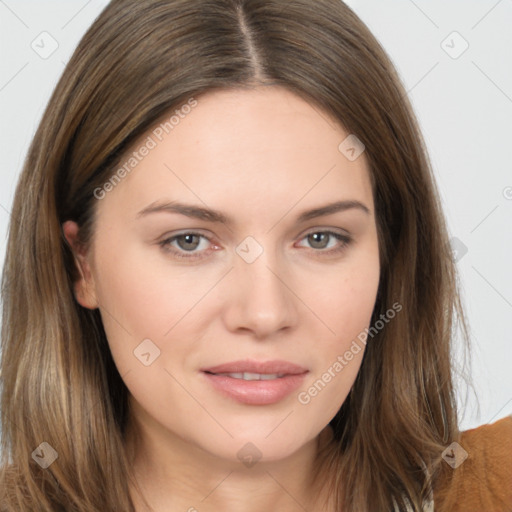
<point x="165" y="244"/>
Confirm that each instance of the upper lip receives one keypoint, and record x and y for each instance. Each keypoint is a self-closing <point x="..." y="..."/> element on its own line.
<point x="251" y="366"/>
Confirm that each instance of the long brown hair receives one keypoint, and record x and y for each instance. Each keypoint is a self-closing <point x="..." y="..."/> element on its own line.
<point x="139" y="60"/>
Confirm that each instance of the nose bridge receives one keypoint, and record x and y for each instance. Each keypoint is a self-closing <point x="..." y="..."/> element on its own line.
<point x="257" y="267"/>
<point x="261" y="299"/>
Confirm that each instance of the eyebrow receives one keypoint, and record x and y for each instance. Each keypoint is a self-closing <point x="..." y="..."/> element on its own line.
<point x="211" y="215"/>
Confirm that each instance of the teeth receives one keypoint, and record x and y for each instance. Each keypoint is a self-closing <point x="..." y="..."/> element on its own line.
<point x="253" y="376"/>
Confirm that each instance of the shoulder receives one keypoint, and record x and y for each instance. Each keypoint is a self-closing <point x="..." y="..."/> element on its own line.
<point x="477" y="471"/>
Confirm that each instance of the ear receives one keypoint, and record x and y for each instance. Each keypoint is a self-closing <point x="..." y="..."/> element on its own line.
<point x="85" y="290"/>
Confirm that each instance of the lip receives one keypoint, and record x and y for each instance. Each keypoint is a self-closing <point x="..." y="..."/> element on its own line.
<point x="252" y="366"/>
<point x="256" y="392"/>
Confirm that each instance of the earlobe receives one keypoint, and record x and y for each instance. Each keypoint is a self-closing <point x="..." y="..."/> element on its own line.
<point x="85" y="292"/>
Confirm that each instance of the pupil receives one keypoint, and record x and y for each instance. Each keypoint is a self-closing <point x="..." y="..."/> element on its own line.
<point x="188" y="241"/>
<point x="316" y="239"/>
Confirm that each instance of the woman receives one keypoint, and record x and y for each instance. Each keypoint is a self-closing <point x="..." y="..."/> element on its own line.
<point x="228" y="281"/>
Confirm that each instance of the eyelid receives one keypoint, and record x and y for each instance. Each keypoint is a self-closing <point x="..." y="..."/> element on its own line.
<point x="324" y="229"/>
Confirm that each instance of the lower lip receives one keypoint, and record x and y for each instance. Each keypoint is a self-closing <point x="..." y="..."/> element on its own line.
<point x="256" y="392"/>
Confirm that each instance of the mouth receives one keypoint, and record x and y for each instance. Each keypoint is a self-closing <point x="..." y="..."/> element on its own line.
<point x="249" y="367"/>
<point x="252" y="376"/>
<point x="256" y="383"/>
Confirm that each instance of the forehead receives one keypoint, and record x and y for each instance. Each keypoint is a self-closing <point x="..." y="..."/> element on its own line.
<point x="251" y="147"/>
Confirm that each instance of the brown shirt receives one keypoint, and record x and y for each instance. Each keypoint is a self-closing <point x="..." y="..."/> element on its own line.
<point x="482" y="482"/>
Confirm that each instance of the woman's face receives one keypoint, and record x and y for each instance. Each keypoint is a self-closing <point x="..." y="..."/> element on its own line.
<point x="270" y="282"/>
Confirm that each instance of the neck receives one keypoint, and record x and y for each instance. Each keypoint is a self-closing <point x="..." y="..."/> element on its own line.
<point x="177" y="475"/>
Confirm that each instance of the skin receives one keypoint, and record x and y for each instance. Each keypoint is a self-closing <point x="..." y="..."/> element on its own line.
<point x="261" y="156"/>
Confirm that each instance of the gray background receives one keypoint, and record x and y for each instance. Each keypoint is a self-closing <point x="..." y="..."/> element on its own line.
<point x="464" y="104"/>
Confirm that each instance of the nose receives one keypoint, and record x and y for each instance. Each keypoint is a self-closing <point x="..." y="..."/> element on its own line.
<point x="260" y="297"/>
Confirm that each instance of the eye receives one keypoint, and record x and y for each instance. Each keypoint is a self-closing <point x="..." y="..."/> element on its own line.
<point x="319" y="240"/>
<point x="188" y="244"/>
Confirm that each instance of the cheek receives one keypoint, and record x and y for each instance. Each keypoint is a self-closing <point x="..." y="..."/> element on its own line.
<point x="346" y="309"/>
<point x="140" y="298"/>
<point x="345" y="298"/>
